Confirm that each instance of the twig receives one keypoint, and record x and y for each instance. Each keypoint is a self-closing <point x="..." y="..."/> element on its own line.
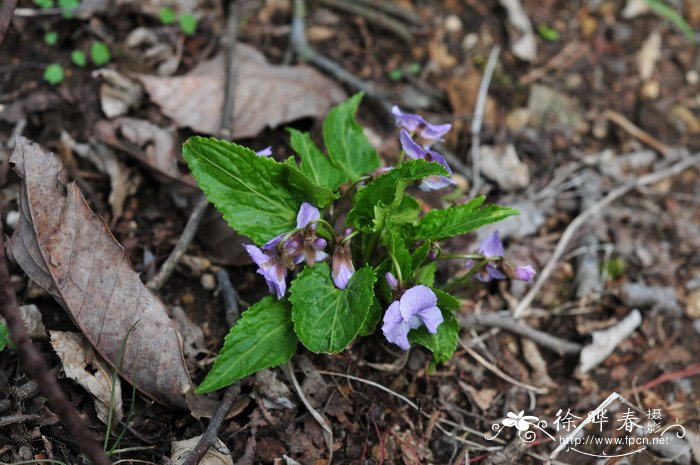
<point x="24" y="392"/>
<point x="636" y="132"/>
<point x="479" y="118"/>
<point x="12" y="419"/>
<point x="212" y="430"/>
<point x="500" y="373"/>
<point x="35" y="366"/>
<point x="373" y="15"/>
<point x="394" y="10"/>
<point x="226" y="123"/>
<point x="230" y="297"/>
<point x="514" y="326"/>
<point x="6" y="10"/>
<point x="181" y="247"/>
<point x="692" y="370"/>
<point x="594" y="209"/>
<point x="306" y="53"/>
<point x="288" y="370"/>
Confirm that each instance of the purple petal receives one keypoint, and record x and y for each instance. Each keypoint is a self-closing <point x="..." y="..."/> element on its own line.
<point x="416" y="299"/>
<point x="524" y="273"/>
<point x="271" y="245"/>
<point x="321" y="255"/>
<point x="266" y="152"/>
<point x="341" y="275"/>
<point x="395" y="329"/>
<point x="408" y="121"/>
<point x="434" y="183"/>
<point x="307" y="213"/>
<point x="258" y="256"/>
<point x="275" y="276"/>
<point x="489" y="273"/>
<point x="434" y="132"/>
<point x="409" y="146"/>
<point x="431" y="318"/>
<point x="391" y="281"/>
<point x="436" y="157"/>
<point x="492" y="246"/>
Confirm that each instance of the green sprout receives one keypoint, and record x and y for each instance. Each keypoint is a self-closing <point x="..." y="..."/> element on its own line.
<point x="44" y="4"/>
<point x="53" y="74"/>
<point x="548" y="33"/>
<point x="51" y="37"/>
<point x="167" y="16"/>
<point x="99" y="52"/>
<point x="68" y="7"/>
<point x="188" y="24"/>
<point x="79" y="58"/>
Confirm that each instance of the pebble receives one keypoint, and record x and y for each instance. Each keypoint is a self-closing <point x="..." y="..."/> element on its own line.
<point x="453" y="23"/>
<point x="208" y="281"/>
<point x="11" y="219"/>
<point x="692" y="77"/>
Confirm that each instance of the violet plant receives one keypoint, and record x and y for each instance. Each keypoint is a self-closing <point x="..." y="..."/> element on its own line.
<point x="343" y="248"/>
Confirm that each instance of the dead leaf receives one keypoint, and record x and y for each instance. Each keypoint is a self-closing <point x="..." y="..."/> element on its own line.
<point x="550" y="108"/>
<point x="69" y="251"/>
<point x="217" y="454"/>
<point x="481" y="397"/>
<point x="118" y="93"/>
<point x="275" y="394"/>
<point x="266" y="95"/>
<point x="648" y="54"/>
<point x="31" y="317"/>
<point x="604" y="342"/>
<point x="501" y="164"/>
<point x="82" y="365"/>
<point x="522" y="38"/>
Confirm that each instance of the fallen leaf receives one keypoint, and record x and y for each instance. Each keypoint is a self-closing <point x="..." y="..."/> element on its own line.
<point x="522" y="38"/>
<point x="82" y="365"/>
<point x="31" y="317"/>
<point x="274" y="393"/>
<point x="69" y="251"/>
<point x="118" y="93"/>
<point x="501" y="164"/>
<point x="217" y="454"/>
<point x="604" y="342"/>
<point x="266" y="95"/>
<point x="548" y="107"/>
<point x="648" y="54"/>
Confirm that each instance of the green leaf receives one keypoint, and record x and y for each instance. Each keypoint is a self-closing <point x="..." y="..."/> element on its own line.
<point x="167" y="15"/>
<point x="51" y="37"/>
<point x="4" y="337"/>
<point x="443" y="343"/>
<point x="397" y="248"/>
<point x="327" y="319"/>
<point x="314" y="163"/>
<point x="347" y="146"/>
<point x="68" y="7"/>
<point x="378" y="198"/>
<point x="250" y="191"/>
<point x="426" y="274"/>
<point x="373" y="317"/>
<point x="99" y="52"/>
<point x="53" y="74"/>
<point x="262" y="338"/>
<point x="548" y="33"/>
<point x="44" y="4"/>
<point x="188" y="24"/>
<point x="454" y="221"/>
<point x="660" y="8"/>
<point x="79" y="58"/>
<point x="420" y="254"/>
<point x="407" y="212"/>
<point x="318" y="196"/>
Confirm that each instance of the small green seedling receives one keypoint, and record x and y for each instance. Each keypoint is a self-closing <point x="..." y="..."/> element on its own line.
<point x="548" y="33"/>
<point x="188" y="24"/>
<point x="4" y="337"/>
<point x="51" y="37"/>
<point x="44" y="4"/>
<point x="167" y="16"/>
<point x="68" y="7"/>
<point x="53" y="74"/>
<point x="79" y="58"/>
<point x="99" y="52"/>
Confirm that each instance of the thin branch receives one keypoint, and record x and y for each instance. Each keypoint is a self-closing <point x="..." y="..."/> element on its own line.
<point x="636" y="132"/>
<point x="373" y="15"/>
<point x="35" y="366"/>
<point x="181" y="247"/>
<point x="508" y="323"/>
<point x="230" y="297"/>
<point x="6" y="10"/>
<point x="583" y="217"/>
<point x="479" y="117"/>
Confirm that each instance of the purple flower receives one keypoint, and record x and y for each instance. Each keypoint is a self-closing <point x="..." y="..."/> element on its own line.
<point x="305" y="245"/>
<point x="342" y="266"/>
<point x="492" y="247"/>
<point x="415" y="152"/>
<point x="417" y="306"/>
<point x="266" y="152"/>
<point x="272" y="265"/>
<point x="391" y="281"/>
<point x="523" y="273"/>
<point x="430" y="133"/>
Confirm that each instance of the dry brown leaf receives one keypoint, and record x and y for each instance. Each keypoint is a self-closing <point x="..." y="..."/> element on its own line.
<point x="82" y="365"/>
<point x="68" y="250"/>
<point x="266" y="95"/>
<point x="217" y="454"/>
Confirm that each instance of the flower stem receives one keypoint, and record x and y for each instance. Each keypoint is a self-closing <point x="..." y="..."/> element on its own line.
<point x="467" y="277"/>
<point x="397" y="268"/>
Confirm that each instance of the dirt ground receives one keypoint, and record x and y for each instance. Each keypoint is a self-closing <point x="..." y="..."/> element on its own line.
<point x="590" y="96"/>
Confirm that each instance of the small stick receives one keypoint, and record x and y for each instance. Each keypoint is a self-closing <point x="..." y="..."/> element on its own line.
<point x="212" y="430"/>
<point x="12" y="419"/>
<point x="6" y="10"/>
<point x="636" y="132"/>
<point x="230" y="296"/>
<point x="35" y="366"/>
<point x="181" y="247"/>
<point x="593" y="210"/>
<point x="498" y="372"/>
<point x="479" y="118"/>
<point x="510" y="324"/>
<point x="394" y="10"/>
<point x="373" y="15"/>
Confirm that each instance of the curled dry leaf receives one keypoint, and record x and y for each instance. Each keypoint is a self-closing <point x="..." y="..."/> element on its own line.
<point x="217" y="454"/>
<point x="266" y="95"/>
<point x="523" y="42"/>
<point x="604" y="342"/>
<point x="69" y="251"/>
<point x="82" y="365"/>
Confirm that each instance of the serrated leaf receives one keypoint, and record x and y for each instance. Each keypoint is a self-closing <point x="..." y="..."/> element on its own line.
<point x="347" y="146"/>
<point x="455" y="221"/>
<point x="397" y="247"/>
<point x="4" y="337"/>
<point x="420" y="254"/>
<point x="327" y="319"/>
<point x="262" y="338"/>
<point x="319" y="196"/>
<point x="373" y="317"/>
<point x="376" y="200"/>
<point x="407" y="212"/>
<point x="443" y="343"/>
<point x="426" y="274"/>
<point x="250" y="191"/>
<point x="314" y="163"/>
